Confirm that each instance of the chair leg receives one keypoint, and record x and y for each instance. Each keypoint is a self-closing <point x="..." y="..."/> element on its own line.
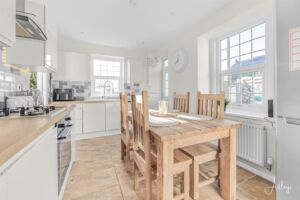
<point x="123" y="153"/>
<point x="194" y="180"/>
<point x="128" y="158"/>
<point x="219" y="162"/>
<point x="186" y="185"/>
<point x="135" y="178"/>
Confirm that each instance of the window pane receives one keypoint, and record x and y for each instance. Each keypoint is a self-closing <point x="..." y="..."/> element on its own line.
<point x="259" y="44"/>
<point x="246" y="48"/>
<point x="246" y="60"/>
<point x="234" y="63"/>
<point x="246" y="36"/>
<point x="224" y="44"/>
<point x="247" y="88"/>
<point x="259" y="57"/>
<point x="234" y="40"/>
<point x="235" y="83"/>
<point x="258" y="99"/>
<point x="258" y="31"/>
<point x="234" y="51"/>
<point x="224" y="65"/>
<point x="226" y="84"/>
<point x="224" y="54"/>
<point x="257" y="82"/>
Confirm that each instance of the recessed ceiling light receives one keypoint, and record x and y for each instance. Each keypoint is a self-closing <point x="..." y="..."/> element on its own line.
<point x="172" y="13"/>
<point x="133" y="2"/>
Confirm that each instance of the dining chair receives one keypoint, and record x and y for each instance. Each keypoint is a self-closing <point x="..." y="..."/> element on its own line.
<point x="145" y="154"/>
<point x="209" y="105"/>
<point x="181" y="102"/>
<point x="126" y="131"/>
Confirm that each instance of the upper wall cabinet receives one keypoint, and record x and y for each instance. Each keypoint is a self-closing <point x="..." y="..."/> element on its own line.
<point x="7" y="22"/>
<point x="73" y="67"/>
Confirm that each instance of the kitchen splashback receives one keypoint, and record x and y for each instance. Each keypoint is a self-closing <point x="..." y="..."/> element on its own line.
<point x="11" y="80"/>
<point x="82" y="89"/>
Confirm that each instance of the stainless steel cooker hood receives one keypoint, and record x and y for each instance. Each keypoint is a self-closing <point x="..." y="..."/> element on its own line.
<point x="26" y="25"/>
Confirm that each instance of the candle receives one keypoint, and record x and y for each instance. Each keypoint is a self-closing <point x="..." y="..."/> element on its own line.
<point x="163" y="107"/>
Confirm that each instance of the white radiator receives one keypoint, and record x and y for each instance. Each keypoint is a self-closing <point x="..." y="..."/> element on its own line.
<point x="251" y="143"/>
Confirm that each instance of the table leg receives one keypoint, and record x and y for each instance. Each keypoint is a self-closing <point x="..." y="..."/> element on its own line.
<point x="164" y="167"/>
<point x="228" y="166"/>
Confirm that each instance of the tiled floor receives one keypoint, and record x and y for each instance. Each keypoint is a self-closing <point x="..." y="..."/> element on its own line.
<point x="98" y="174"/>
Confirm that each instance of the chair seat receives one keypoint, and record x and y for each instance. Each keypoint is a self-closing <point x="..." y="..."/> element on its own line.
<point x="203" y="152"/>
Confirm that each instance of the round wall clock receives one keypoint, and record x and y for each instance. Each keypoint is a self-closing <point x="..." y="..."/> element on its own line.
<point x="180" y="59"/>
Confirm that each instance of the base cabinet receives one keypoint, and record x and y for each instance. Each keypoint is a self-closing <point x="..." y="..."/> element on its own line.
<point x="34" y="175"/>
<point x="113" y="119"/>
<point x="3" y="187"/>
<point x="93" y="117"/>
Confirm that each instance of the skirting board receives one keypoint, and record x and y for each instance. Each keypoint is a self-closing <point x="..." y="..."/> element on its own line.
<point x="84" y="136"/>
<point x="256" y="171"/>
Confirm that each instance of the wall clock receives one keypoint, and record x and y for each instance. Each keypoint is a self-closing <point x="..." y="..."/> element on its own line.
<point x="180" y="59"/>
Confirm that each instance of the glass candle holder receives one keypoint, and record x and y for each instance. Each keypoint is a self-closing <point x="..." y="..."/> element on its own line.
<point x="163" y="107"/>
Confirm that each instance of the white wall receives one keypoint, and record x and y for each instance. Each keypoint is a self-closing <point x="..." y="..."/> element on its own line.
<point x="149" y="77"/>
<point x="194" y="77"/>
<point x="198" y="42"/>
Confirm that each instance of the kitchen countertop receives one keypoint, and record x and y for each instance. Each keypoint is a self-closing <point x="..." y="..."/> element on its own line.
<point x="16" y="134"/>
<point x="64" y="103"/>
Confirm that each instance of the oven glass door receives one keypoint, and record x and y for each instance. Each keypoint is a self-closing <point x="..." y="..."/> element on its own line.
<point x="64" y="155"/>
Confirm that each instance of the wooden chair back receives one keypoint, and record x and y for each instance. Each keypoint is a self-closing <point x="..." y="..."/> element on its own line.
<point x="211" y="105"/>
<point x="124" y="114"/>
<point x="181" y="102"/>
<point x="140" y="115"/>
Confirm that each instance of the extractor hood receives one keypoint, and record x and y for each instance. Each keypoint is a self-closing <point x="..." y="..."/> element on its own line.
<point x="26" y="25"/>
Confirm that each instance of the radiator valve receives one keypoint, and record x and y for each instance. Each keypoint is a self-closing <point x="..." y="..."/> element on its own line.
<point x="269" y="164"/>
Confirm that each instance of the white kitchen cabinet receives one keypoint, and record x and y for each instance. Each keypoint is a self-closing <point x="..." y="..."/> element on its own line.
<point x="73" y="67"/>
<point x="34" y="175"/>
<point x="7" y="22"/>
<point x="3" y="187"/>
<point x="93" y="117"/>
<point x="18" y="56"/>
<point x="76" y="116"/>
<point x="112" y="116"/>
<point x="28" y="52"/>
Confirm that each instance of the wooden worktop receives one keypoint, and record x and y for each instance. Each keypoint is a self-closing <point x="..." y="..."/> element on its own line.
<point x="65" y="103"/>
<point x="16" y="134"/>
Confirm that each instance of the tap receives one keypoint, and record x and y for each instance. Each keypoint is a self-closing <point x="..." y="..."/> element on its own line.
<point x="109" y="84"/>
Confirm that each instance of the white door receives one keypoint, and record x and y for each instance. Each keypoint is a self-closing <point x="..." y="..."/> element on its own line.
<point x="113" y="116"/>
<point x="34" y="175"/>
<point x="93" y="117"/>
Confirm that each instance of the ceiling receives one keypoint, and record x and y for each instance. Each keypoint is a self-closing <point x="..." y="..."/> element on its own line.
<point x="130" y="23"/>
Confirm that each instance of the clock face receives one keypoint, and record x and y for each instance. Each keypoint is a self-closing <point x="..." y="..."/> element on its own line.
<point x="180" y="59"/>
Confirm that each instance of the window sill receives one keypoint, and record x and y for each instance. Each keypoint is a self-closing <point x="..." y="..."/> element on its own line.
<point x="245" y="114"/>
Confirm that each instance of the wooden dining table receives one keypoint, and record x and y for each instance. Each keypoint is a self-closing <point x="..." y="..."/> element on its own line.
<point x="190" y="132"/>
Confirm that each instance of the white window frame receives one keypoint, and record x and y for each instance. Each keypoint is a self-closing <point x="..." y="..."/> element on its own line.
<point x="166" y="70"/>
<point x="255" y="67"/>
<point x="106" y="58"/>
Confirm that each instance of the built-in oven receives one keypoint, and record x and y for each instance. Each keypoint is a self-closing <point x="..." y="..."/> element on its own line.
<point x="64" y="156"/>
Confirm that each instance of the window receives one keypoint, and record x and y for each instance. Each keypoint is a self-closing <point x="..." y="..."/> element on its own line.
<point x="166" y="78"/>
<point x="106" y="74"/>
<point x="241" y="66"/>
